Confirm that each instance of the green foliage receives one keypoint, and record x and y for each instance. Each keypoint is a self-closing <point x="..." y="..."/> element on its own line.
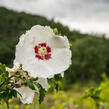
<point x="99" y="96"/>
<point x="55" y="83"/>
<point x="105" y="89"/>
<point x="94" y="93"/>
<point x="6" y="92"/>
<point x="3" y="73"/>
<point x="87" y="103"/>
<point x="8" y="83"/>
<point x="41" y="92"/>
<point x="55" y="30"/>
<point x="88" y="59"/>
<point x="30" y="84"/>
<point x="105" y="95"/>
<point x="94" y="98"/>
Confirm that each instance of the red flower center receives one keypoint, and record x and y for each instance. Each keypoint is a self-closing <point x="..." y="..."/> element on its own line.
<point x="42" y="51"/>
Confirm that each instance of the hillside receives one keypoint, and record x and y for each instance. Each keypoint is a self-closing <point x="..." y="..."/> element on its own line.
<point x="90" y="52"/>
<point x="13" y="24"/>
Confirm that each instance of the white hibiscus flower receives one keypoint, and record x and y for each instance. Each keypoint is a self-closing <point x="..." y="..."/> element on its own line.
<point x="42" y="53"/>
<point x="26" y="94"/>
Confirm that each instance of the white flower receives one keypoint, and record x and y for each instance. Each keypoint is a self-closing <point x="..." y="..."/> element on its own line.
<point x="26" y="94"/>
<point x="42" y="53"/>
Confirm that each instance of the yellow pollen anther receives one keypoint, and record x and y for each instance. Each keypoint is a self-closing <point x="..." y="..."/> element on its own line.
<point x="42" y="51"/>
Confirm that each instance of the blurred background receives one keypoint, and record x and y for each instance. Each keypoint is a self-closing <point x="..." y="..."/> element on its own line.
<point x="84" y="22"/>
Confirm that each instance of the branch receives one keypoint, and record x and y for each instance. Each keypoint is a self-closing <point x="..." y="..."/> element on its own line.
<point x="6" y="80"/>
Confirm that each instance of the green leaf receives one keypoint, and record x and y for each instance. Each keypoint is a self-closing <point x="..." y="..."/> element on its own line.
<point x="58" y="77"/>
<point x="13" y="93"/>
<point x="41" y="92"/>
<point x="94" y="93"/>
<point x="55" y="30"/>
<point x="30" y="84"/>
<point x="3" y="73"/>
<point x="2" y="68"/>
<point x="54" y="82"/>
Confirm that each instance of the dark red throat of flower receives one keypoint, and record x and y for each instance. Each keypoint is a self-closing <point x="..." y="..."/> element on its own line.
<point x="42" y="51"/>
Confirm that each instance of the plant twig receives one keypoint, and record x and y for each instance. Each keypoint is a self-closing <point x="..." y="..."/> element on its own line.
<point x="6" y="80"/>
<point x="7" y="104"/>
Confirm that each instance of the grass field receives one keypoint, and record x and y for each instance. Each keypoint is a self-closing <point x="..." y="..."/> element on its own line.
<point x="68" y="99"/>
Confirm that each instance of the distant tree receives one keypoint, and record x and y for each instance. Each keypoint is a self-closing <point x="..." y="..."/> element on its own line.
<point x="88" y="60"/>
<point x="106" y="41"/>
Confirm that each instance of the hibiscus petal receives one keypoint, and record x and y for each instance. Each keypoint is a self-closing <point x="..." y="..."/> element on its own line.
<point x="59" y="42"/>
<point x="27" y="94"/>
<point x="43" y="82"/>
<point x="61" y="60"/>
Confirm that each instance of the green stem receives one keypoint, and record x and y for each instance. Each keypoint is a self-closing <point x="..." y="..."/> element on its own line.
<point x="6" y="80"/>
<point x="7" y="104"/>
<point x="97" y="105"/>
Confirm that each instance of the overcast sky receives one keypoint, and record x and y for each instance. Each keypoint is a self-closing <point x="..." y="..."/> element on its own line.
<point x="84" y="15"/>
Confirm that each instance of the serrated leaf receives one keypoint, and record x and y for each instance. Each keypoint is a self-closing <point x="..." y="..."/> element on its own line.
<point x="41" y="92"/>
<point x="30" y="84"/>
